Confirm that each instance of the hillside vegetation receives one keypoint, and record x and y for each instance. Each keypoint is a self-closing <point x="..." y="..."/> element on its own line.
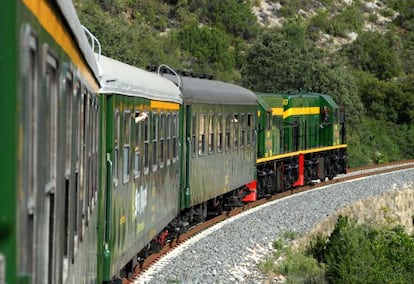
<point x="352" y="253"/>
<point x="359" y="52"/>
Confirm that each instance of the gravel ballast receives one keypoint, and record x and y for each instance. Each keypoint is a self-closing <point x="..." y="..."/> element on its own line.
<point x="230" y="251"/>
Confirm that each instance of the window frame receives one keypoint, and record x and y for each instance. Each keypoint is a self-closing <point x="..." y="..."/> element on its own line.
<point x="126" y="148"/>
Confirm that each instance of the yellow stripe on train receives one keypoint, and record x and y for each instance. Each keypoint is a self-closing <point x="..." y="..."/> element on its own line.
<point x="296" y="153"/>
<point x="164" y="105"/>
<point x="53" y="25"/>
<point x="295" y="111"/>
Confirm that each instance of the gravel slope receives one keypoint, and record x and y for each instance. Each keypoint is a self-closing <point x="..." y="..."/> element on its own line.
<point x="228" y="252"/>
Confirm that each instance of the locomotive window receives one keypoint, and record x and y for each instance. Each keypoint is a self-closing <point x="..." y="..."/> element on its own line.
<point x="161" y="131"/>
<point x="116" y="147"/>
<point x="268" y="120"/>
<point x="227" y="138"/>
<point x="236" y="123"/>
<point x="249" y="129"/>
<point x="154" y="140"/>
<point x="146" y="146"/>
<point x="193" y="135"/>
<point x="219" y="133"/>
<point x="201" y="134"/>
<point x="242" y="130"/>
<point x="127" y="145"/>
<point x="211" y="134"/>
<point x="168" y="138"/>
<point x="175" y="135"/>
<point x="137" y="155"/>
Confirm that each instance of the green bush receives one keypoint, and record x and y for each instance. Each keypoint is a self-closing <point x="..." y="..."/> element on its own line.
<point x="363" y="254"/>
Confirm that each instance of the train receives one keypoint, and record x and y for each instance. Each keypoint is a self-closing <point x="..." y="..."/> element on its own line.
<point x="103" y="162"/>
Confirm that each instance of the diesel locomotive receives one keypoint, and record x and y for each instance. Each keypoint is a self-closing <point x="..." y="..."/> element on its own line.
<point x="104" y="162"/>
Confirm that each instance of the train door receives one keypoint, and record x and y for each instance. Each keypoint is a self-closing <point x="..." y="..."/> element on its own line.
<point x="191" y="142"/>
<point x="342" y="122"/>
<point x="296" y="134"/>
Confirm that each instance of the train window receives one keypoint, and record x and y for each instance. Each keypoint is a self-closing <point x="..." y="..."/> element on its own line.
<point x="50" y="147"/>
<point x="116" y="147"/>
<point x="253" y="129"/>
<point x="69" y="95"/>
<point x="127" y="145"/>
<point x="268" y="120"/>
<point x="51" y="119"/>
<point x="201" y="134"/>
<point x="193" y="134"/>
<point x="30" y="155"/>
<point x="137" y="137"/>
<point x="146" y="146"/>
<point x="211" y="134"/>
<point x="82" y="167"/>
<point x="227" y="138"/>
<point x="236" y="124"/>
<point x="242" y="130"/>
<point x="137" y="157"/>
<point x="219" y="133"/>
<point x="77" y="129"/>
<point x="154" y="135"/>
<point x="95" y="130"/>
<point x="249" y="129"/>
<point x="174" y="137"/>
<point x="168" y="138"/>
<point x="161" y="135"/>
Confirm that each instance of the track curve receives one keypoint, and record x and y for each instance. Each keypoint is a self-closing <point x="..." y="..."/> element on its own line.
<point x="213" y="255"/>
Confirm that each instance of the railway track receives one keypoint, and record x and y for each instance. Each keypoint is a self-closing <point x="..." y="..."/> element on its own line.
<point x="353" y="174"/>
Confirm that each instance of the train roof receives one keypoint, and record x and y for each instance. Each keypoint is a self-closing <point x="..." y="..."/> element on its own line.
<point x="295" y="96"/>
<point x="196" y="90"/>
<point x="71" y="17"/>
<point x="121" y="78"/>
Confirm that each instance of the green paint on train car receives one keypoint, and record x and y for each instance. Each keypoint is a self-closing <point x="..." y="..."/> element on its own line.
<point x="142" y="188"/>
<point x="297" y="121"/>
<point x="220" y="150"/>
<point x="8" y="143"/>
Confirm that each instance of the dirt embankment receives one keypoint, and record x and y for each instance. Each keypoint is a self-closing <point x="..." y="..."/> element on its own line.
<point x="389" y="210"/>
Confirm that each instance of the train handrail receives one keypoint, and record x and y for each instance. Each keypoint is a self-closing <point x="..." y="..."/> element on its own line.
<point x="180" y="82"/>
<point x="92" y="41"/>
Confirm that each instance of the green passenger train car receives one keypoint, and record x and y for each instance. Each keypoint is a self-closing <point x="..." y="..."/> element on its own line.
<point x="49" y="105"/>
<point x="219" y="144"/>
<point x="140" y="163"/>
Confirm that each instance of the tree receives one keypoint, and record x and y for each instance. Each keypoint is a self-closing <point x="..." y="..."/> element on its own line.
<point x="233" y="16"/>
<point x="375" y="53"/>
<point x="206" y="49"/>
<point x="282" y="60"/>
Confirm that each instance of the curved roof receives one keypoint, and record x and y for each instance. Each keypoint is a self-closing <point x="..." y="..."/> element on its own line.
<point x="69" y="12"/>
<point x="205" y="91"/>
<point x="121" y="78"/>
